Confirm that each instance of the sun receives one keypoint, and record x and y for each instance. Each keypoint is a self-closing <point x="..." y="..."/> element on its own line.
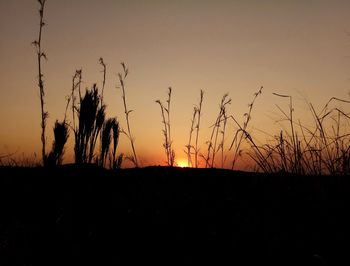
<point x="181" y="163"/>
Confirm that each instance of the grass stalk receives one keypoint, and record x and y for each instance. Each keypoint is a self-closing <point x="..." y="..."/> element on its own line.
<point x="127" y="112"/>
<point x="40" y="55"/>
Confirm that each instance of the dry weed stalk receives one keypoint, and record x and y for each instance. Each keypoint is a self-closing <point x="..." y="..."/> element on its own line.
<point x="195" y="125"/>
<point x="199" y="113"/>
<point x="165" y="111"/>
<point x="212" y="142"/>
<point x="242" y="133"/>
<point x="104" y="70"/>
<point x="189" y="146"/>
<point x="40" y="56"/>
<point x="127" y="112"/>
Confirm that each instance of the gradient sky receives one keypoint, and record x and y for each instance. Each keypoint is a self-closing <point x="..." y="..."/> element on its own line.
<point x="300" y="48"/>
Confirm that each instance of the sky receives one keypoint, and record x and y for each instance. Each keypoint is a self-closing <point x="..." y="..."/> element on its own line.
<point x="298" y="48"/>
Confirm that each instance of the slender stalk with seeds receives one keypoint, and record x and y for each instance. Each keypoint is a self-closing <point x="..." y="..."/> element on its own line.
<point x="242" y="131"/>
<point x="212" y="143"/>
<point x="221" y="118"/>
<point x="199" y="112"/>
<point x="189" y="146"/>
<point x="165" y="132"/>
<point x="221" y="145"/>
<point x="127" y="112"/>
<point x="40" y="56"/>
<point x="102" y="63"/>
<point x="76" y="81"/>
<point x="165" y="111"/>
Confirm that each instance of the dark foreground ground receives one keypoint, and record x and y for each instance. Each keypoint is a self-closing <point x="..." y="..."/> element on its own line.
<point x="157" y="215"/>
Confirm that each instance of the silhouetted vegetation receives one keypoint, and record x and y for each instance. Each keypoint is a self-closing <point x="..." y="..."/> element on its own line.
<point x="110" y="132"/>
<point x="241" y="133"/>
<point x="61" y="133"/>
<point x="195" y="125"/>
<point x="165" y="111"/>
<point x="91" y="118"/>
<point x="40" y="56"/>
<point x="321" y="149"/>
<point x="122" y="78"/>
<point x="220" y="124"/>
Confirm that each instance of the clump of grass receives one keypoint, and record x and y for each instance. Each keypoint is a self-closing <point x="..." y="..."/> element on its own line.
<point x="7" y="160"/>
<point x="115" y="161"/>
<point x="321" y="149"/>
<point x="40" y="55"/>
<point x="122" y="78"/>
<point x="106" y="137"/>
<point x="61" y="134"/>
<point x="165" y="111"/>
<point x="91" y="118"/>
<point x="217" y="127"/>
<point x="110" y="132"/>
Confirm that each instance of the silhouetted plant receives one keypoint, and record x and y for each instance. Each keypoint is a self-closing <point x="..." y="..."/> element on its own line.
<point x="40" y="56"/>
<point x="100" y="118"/>
<point x="242" y="133"/>
<point x="199" y="112"/>
<point x="189" y="146"/>
<point x="165" y="111"/>
<point x="91" y="119"/>
<point x="110" y="132"/>
<point x="106" y="136"/>
<point x="195" y="125"/>
<point x="76" y="83"/>
<point x="102" y="63"/>
<point x="61" y="134"/>
<point x="212" y="142"/>
<point x="116" y="161"/>
<point x="127" y="112"/>
<point x="222" y="143"/>
<point x="323" y="149"/>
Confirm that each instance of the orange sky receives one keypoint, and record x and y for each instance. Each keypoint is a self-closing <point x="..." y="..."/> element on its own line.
<point x="300" y="48"/>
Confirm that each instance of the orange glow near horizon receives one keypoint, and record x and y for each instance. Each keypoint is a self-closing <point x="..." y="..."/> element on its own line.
<point x="297" y="48"/>
<point x="182" y="163"/>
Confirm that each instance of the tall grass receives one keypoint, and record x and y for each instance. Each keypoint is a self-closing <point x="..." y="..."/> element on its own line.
<point x="199" y="113"/>
<point x="195" y="126"/>
<point x="322" y="148"/>
<point x="189" y="147"/>
<point x="165" y="112"/>
<point x="122" y="78"/>
<point x="241" y="133"/>
<point x="61" y="134"/>
<point x="217" y="127"/>
<point x="40" y="55"/>
<point x="91" y="118"/>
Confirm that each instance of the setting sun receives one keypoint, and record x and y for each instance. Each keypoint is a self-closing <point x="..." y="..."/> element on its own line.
<point x="182" y="163"/>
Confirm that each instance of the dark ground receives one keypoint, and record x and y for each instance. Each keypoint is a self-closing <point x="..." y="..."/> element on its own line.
<point x="157" y="215"/>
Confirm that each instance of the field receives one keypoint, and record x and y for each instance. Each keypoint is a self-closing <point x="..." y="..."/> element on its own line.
<point x="166" y="215"/>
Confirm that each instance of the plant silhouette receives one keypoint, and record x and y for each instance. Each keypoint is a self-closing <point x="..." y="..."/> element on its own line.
<point x="110" y="132"/>
<point x="61" y="134"/>
<point x="165" y="111"/>
<point x="40" y="55"/>
<point x="91" y="118"/>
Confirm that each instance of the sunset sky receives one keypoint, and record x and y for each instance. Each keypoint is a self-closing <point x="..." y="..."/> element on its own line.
<point x="300" y="48"/>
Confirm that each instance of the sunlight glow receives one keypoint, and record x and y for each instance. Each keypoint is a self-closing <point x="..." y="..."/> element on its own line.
<point x="181" y="163"/>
